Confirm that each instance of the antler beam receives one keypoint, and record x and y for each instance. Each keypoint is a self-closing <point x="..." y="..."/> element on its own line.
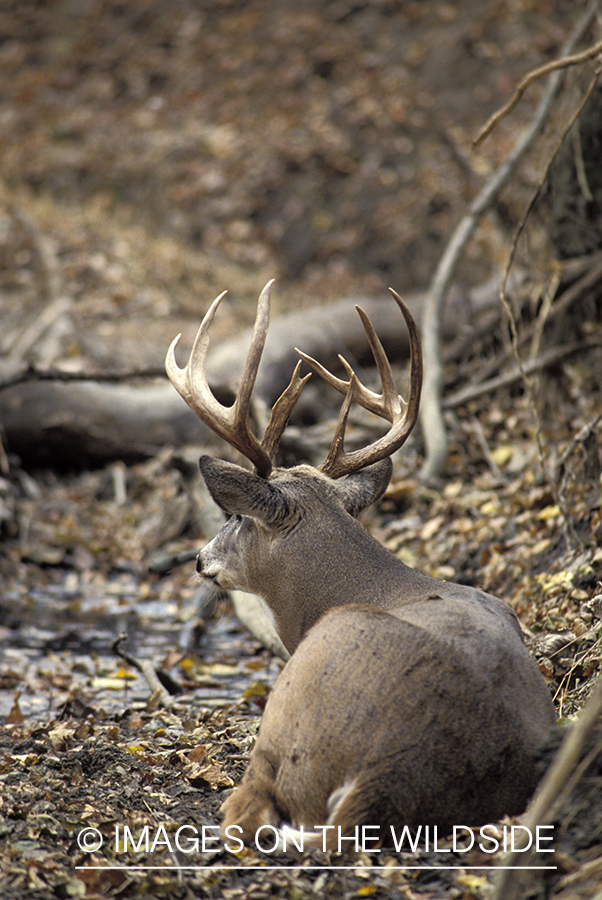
<point x="388" y="405"/>
<point x="232" y="423"/>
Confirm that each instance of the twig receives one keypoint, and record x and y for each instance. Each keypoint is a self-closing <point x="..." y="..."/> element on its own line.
<point x="544" y="313"/>
<point x="57" y="301"/>
<point x="591" y="276"/>
<point x="580" y="438"/>
<point x="160" y="683"/>
<point x="537" y="192"/>
<point x="433" y="426"/>
<point x="477" y="430"/>
<point x="36" y="329"/>
<point x="580" y="167"/>
<point x="53" y="286"/>
<point x="169" y="561"/>
<point x="472" y="391"/>
<point x="532" y="76"/>
<point x="4" y="463"/>
<point x="585" y="872"/>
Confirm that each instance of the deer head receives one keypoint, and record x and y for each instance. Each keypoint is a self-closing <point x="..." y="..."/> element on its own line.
<point x="407" y="700"/>
<point x="263" y="548"/>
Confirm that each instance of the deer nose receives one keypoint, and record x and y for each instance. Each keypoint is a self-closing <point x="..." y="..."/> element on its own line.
<point x="199" y="564"/>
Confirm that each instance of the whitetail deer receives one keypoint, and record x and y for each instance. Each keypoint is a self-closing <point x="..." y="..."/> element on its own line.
<point x="407" y="700"/>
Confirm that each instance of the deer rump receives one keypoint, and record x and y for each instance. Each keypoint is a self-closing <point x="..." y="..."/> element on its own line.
<point x="444" y="736"/>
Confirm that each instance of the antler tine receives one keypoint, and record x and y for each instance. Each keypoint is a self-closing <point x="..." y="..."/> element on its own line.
<point x="249" y="375"/>
<point x="282" y="410"/>
<point x="389" y="404"/>
<point x="230" y="423"/>
<point x="336" y="453"/>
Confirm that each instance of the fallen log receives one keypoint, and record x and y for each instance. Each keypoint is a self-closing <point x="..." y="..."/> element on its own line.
<point x="88" y="423"/>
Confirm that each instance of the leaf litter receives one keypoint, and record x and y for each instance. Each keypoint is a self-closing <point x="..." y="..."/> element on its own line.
<point x="85" y="741"/>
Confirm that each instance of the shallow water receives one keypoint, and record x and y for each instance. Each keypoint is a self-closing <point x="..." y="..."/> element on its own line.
<point x="57" y="648"/>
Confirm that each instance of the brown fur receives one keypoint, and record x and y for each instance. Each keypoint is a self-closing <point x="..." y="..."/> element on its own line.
<point x="432" y="733"/>
<point x="407" y="701"/>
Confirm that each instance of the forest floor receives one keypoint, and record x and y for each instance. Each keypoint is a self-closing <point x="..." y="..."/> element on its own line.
<point x="152" y="155"/>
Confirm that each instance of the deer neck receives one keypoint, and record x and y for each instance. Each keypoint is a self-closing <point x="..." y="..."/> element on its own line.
<point x="340" y="565"/>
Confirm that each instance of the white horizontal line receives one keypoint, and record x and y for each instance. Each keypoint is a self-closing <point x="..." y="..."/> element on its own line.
<point x="267" y="868"/>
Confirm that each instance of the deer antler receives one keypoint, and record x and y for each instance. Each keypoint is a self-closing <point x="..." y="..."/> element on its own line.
<point x="232" y="423"/>
<point x="389" y="405"/>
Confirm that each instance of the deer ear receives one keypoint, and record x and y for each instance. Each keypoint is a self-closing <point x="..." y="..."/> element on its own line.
<point x="240" y="492"/>
<point x="359" y="490"/>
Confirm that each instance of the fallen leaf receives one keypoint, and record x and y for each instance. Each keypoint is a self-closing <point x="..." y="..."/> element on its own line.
<point x="15" y="716"/>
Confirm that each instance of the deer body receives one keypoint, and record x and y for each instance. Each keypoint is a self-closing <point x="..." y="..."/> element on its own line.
<point x="428" y="735"/>
<point x="407" y="700"/>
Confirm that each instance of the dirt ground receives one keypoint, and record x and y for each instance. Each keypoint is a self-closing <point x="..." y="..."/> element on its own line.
<point x="153" y="154"/>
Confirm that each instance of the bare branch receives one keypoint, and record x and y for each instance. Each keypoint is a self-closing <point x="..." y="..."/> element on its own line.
<point x="164" y="688"/>
<point x="570" y="532"/>
<point x="550" y="358"/>
<point x="553" y="66"/>
<point x="553" y="789"/>
<point x="32" y="373"/>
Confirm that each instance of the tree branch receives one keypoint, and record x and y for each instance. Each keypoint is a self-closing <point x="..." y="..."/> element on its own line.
<point x="528" y="79"/>
<point x="550" y="358"/>
<point x="32" y="373"/>
<point x="552" y="790"/>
